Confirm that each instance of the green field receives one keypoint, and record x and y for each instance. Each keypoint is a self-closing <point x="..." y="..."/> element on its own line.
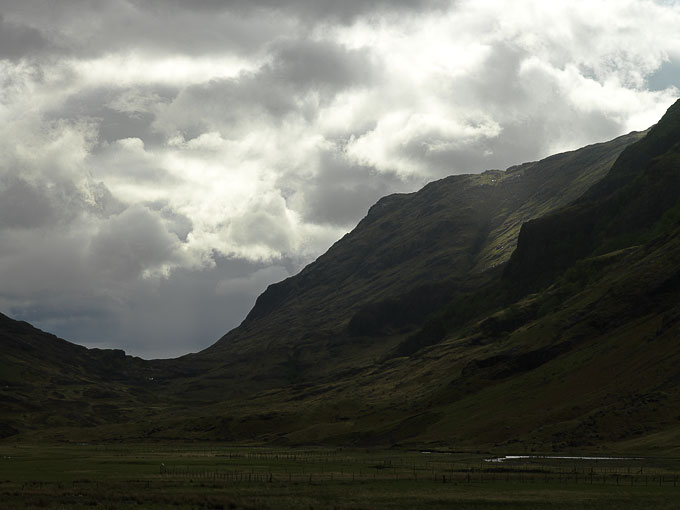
<point x="217" y="476"/>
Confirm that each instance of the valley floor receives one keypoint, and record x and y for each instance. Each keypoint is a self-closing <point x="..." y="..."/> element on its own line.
<point x="130" y="476"/>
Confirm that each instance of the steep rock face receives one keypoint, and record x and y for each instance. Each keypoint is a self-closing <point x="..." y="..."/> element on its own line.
<point x="620" y="210"/>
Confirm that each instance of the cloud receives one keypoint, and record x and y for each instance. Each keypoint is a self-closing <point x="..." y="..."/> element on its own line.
<point x="17" y="41"/>
<point x="668" y="75"/>
<point x="116" y="112"/>
<point x="425" y="144"/>
<point x="23" y="205"/>
<point x="320" y="66"/>
<point x="132" y="244"/>
<point x="340" y="192"/>
<point x="301" y="78"/>
<point x="162" y="161"/>
<point x="265" y="227"/>
<point x="253" y="284"/>
<point x="311" y="11"/>
<point x="92" y="30"/>
<point x="154" y="318"/>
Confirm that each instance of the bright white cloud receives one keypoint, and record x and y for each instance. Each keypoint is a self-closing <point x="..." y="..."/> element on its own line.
<point x="233" y="143"/>
<point x="132" y="69"/>
<point x="406" y="142"/>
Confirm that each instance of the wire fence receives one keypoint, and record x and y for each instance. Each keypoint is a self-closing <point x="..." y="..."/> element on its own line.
<point x="317" y="468"/>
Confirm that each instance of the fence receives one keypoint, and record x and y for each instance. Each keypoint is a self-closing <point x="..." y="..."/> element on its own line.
<point x="306" y="468"/>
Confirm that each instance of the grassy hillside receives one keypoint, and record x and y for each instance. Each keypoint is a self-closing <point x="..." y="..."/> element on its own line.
<point x="49" y="383"/>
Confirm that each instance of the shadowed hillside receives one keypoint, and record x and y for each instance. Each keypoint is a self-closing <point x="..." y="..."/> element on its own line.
<point x="47" y="382"/>
<point x="637" y="200"/>
<point x="410" y="255"/>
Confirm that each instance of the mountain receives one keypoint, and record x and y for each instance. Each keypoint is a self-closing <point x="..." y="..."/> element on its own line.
<point x="412" y="253"/>
<point x="48" y="382"/>
<point x="529" y="309"/>
<point x="622" y="209"/>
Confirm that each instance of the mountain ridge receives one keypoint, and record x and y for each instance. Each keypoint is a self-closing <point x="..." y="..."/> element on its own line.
<point x="611" y="211"/>
<point x="421" y="250"/>
<point x="460" y="183"/>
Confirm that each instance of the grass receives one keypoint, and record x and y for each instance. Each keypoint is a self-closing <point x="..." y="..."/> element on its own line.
<point x="136" y="476"/>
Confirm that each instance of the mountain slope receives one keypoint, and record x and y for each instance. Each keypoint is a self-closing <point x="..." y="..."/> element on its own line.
<point x="411" y="254"/>
<point x="48" y="382"/>
<point x="620" y="210"/>
<point x="592" y="357"/>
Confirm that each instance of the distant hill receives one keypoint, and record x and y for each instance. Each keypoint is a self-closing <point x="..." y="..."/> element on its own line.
<point x="47" y="382"/>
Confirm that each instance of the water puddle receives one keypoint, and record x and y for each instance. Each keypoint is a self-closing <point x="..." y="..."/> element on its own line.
<point x="556" y="457"/>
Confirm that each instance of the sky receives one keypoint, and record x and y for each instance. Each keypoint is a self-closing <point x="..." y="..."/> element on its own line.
<point x="163" y="161"/>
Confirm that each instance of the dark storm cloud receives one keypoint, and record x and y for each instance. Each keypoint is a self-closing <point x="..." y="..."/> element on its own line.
<point x="90" y="29"/>
<point x="186" y="312"/>
<point x="38" y="264"/>
<point x="225" y="102"/>
<point x="175" y="222"/>
<point x="308" y="64"/>
<point x="17" y="41"/>
<point x="22" y="205"/>
<point x="498" y="82"/>
<point x="33" y="205"/>
<point x="118" y="112"/>
<point x="194" y="308"/>
<point x="341" y="193"/>
<point x="55" y="242"/>
<point x="130" y="243"/>
<point x="311" y="10"/>
<point x="349" y="10"/>
<point x="276" y="90"/>
<point x="189" y="27"/>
